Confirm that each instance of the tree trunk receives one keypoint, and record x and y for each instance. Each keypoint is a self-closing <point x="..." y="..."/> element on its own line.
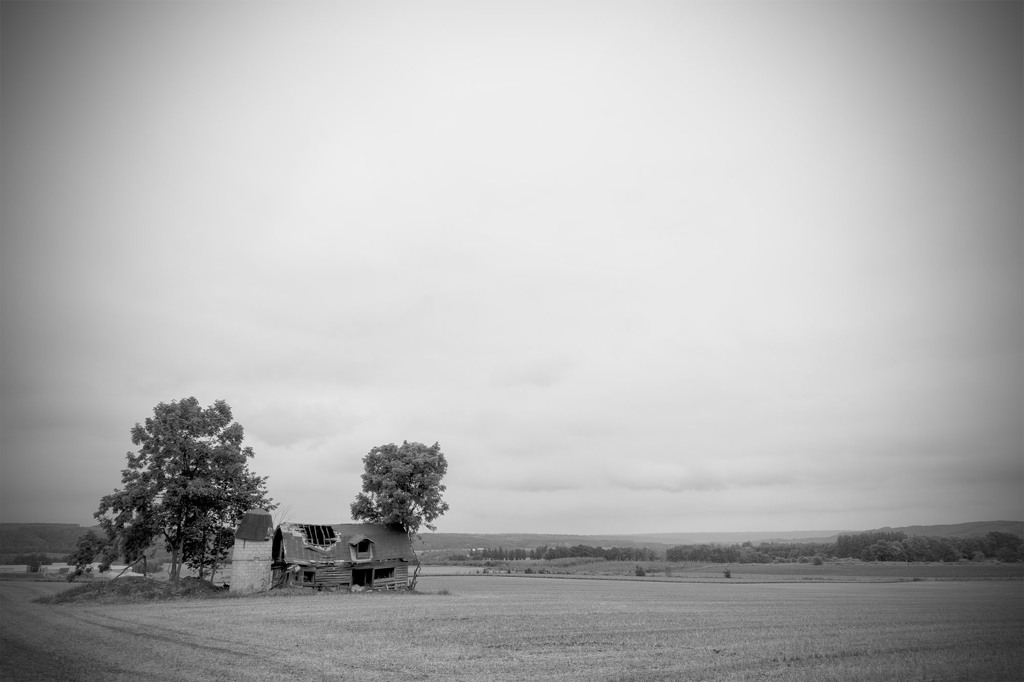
<point x="415" y="575"/>
<point x="416" y="572"/>
<point x="176" y="552"/>
<point x="174" y="563"/>
<point x="202" y="555"/>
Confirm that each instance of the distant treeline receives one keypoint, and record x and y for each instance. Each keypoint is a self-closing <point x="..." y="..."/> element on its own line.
<point x="32" y="560"/>
<point x="869" y="546"/>
<point x="562" y="552"/>
<point x="897" y="546"/>
<point x="26" y="538"/>
<point x="747" y="553"/>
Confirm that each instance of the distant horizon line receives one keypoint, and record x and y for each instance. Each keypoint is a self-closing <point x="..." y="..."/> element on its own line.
<point x="613" y="533"/>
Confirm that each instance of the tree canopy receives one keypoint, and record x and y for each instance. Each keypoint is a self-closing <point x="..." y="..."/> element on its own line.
<point x="402" y="486"/>
<point x="189" y="482"/>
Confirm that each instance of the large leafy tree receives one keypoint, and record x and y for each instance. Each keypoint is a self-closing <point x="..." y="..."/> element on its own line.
<point x="402" y="487"/>
<point x="188" y="483"/>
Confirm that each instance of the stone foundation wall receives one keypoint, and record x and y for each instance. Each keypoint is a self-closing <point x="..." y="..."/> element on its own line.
<point x="250" y="566"/>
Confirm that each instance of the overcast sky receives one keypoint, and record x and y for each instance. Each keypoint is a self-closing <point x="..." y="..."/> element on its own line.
<point x="637" y="266"/>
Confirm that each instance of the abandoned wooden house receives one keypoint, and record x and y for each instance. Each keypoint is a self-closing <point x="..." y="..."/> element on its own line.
<point x="366" y="555"/>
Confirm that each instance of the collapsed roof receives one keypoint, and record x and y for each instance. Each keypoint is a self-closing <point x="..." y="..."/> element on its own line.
<point x="304" y="543"/>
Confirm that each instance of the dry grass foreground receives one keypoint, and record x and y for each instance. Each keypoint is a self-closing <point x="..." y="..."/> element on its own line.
<point x="511" y="628"/>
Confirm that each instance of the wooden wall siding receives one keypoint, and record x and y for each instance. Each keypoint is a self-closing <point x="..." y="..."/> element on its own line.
<point x="336" y="576"/>
<point x="399" y="579"/>
<point x="333" y="575"/>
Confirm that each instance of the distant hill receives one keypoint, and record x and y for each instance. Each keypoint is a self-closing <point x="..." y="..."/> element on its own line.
<point x="443" y="541"/>
<point x="963" y="530"/>
<point x="430" y="541"/>
<point x="741" y="537"/>
<point x="60" y="538"/>
<point x="436" y="541"/>
<point x="26" y="538"/>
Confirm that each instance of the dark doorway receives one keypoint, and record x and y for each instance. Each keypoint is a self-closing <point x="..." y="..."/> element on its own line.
<point x="362" y="576"/>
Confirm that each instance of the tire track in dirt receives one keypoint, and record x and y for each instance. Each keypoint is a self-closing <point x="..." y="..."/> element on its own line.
<point x="74" y="642"/>
<point x="37" y="645"/>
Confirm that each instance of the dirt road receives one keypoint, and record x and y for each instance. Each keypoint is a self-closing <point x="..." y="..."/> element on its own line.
<point x="55" y="647"/>
<point x="39" y="642"/>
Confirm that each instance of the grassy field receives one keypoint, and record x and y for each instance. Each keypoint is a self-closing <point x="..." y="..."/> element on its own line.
<point x="515" y="628"/>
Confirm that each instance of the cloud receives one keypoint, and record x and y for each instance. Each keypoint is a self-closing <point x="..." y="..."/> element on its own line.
<point x="672" y="264"/>
<point x="283" y="424"/>
<point x="537" y="373"/>
<point x="675" y="478"/>
<point x="533" y="480"/>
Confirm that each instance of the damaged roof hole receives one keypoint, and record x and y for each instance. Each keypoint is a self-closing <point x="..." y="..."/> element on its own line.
<point x="319" y="535"/>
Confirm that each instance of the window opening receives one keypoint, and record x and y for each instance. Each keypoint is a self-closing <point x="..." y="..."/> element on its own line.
<point x="384" y="573"/>
<point x="319" y="535"/>
<point x="362" y="548"/>
<point x="307" y="577"/>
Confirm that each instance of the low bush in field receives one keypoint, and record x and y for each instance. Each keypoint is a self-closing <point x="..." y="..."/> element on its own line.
<point x="124" y="590"/>
<point x="134" y="590"/>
